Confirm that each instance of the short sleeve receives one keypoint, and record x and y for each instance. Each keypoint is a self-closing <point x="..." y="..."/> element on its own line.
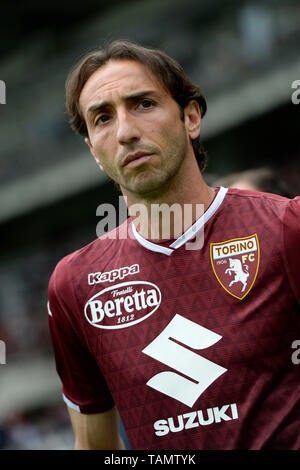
<point x="83" y="385"/>
<point x="291" y="239"/>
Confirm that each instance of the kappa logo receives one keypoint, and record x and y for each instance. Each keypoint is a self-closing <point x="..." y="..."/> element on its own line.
<point x="235" y="263"/>
<point x="111" y="276"/>
<point x="194" y="374"/>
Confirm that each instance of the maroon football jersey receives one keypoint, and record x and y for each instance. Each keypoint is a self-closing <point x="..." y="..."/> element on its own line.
<point x="193" y="345"/>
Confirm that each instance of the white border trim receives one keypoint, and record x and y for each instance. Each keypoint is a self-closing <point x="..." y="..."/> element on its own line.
<point x="70" y="403"/>
<point x="189" y="234"/>
<point x="150" y="245"/>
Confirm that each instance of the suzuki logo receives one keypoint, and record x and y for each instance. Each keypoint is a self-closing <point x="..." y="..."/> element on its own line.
<point x="201" y="372"/>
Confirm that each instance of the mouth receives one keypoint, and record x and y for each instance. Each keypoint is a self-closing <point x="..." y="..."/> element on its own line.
<point x="136" y="158"/>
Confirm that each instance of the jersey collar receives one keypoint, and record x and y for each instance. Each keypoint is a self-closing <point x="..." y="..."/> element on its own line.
<point x="188" y="234"/>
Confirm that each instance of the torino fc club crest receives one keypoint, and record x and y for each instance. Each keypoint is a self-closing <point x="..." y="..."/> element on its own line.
<point x="235" y="263"/>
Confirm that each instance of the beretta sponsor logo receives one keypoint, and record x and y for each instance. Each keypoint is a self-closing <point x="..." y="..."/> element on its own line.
<point x="122" y="305"/>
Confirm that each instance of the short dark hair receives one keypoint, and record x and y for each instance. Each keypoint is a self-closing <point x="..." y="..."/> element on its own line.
<point x="166" y="69"/>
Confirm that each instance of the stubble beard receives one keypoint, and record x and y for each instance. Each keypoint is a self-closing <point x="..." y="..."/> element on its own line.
<point x="153" y="182"/>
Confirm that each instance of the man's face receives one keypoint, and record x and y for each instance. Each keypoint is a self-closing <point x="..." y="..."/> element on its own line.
<point x="134" y="125"/>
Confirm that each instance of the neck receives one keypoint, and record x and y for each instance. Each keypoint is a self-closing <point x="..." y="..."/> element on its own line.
<point x="167" y="214"/>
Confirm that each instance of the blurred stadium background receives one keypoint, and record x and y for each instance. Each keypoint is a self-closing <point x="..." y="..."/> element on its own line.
<point x="245" y="57"/>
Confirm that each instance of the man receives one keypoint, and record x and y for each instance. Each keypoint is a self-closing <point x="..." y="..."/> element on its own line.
<point x="189" y="338"/>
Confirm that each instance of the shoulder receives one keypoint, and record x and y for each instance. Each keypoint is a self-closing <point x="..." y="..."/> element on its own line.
<point x="258" y="196"/>
<point x="95" y="254"/>
<point x="279" y="214"/>
<point x="264" y="202"/>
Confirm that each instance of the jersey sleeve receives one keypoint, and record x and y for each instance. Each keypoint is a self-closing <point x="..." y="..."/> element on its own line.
<point x="291" y="239"/>
<point x="83" y="385"/>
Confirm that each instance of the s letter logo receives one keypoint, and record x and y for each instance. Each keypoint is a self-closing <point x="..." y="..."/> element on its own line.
<point x="166" y="349"/>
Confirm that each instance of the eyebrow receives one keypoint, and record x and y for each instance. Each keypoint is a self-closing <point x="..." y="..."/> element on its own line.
<point x="134" y="97"/>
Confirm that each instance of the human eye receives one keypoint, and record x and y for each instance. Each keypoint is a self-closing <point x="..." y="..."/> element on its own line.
<point x="102" y="119"/>
<point x="146" y="103"/>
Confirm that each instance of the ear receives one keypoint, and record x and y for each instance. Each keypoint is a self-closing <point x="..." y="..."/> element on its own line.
<point x="192" y="119"/>
<point x="87" y="141"/>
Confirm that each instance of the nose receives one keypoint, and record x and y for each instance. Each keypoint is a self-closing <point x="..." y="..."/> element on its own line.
<point x="127" y="128"/>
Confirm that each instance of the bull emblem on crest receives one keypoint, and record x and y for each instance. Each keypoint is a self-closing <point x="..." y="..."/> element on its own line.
<point x="236" y="267"/>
